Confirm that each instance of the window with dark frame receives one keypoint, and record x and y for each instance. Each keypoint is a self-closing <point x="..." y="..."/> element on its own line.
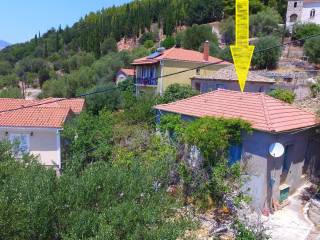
<point x="312" y="13"/>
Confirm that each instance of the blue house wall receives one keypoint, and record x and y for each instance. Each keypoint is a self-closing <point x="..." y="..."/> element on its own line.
<point x="265" y="172"/>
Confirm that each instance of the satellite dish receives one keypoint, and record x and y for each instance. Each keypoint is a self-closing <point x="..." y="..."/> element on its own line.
<point x="276" y="150"/>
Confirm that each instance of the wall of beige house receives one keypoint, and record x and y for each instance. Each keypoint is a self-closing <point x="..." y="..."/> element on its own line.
<point x="171" y="67"/>
<point x="44" y="143"/>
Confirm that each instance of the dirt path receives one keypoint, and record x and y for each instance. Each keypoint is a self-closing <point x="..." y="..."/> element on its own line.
<point x="292" y="223"/>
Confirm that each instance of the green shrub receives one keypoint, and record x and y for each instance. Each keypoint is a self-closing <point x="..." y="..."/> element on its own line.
<point x="109" y="45"/>
<point x="266" y="59"/>
<point x="196" y="35"/>
<point x="242" y="232"/>
<point x="148" y="44"/>
<point x="109" y="100"/>
<point x="169" y="42"/>
<point x="283" y="95"/>
<point x="11" y="92"/>
<point x="227" y="29"/>
<point x="315" y="89"/>
<point x="176" y="92"/>
<point x="106" y="200"/>
<point x="304" y="30"/>
<point x="311" y="49"/>
<point x="265" y="23"/>
<point x="148" y="36"/>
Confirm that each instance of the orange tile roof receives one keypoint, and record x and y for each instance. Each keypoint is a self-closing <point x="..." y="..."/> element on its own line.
<point x="179" y="54"/>
<point x="128" y="71"/>
<point x="311" y="1"/>
<point x="49" y="113"/>
<point x="262" y="111"/>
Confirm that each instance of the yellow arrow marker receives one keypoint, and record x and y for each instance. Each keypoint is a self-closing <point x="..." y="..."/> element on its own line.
<point x="242" y="51"/>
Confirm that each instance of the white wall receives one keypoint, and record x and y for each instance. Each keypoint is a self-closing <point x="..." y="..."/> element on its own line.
<point x="306" y="13"/>
<point x="43" y="143"/>
<point x="120" y="78"/>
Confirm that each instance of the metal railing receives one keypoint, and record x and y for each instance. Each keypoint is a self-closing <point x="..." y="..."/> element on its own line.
<point x="148" y="81"/>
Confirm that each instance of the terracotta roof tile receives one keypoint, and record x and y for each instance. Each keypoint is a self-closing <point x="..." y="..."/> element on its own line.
<point x="178" y="54"/>
<point x="50" y="112"/>
<point x="262" y="111"/>
<point x="127" y="71"/>
<point x="311" y="1"/>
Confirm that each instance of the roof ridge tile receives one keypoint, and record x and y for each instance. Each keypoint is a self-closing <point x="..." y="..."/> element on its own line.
<point x="266" y="112"/>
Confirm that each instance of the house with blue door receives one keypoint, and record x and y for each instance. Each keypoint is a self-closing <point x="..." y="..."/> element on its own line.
<point x="226" y="78"/>
<point x="271" y="179"/>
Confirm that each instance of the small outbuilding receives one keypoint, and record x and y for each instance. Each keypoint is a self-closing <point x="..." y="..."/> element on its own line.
<point x="226" y="78"/>
<point x="271" y="179"/>
<point x="123" y="74"/>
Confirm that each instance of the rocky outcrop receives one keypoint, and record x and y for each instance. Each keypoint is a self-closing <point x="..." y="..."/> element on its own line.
<point x="314" y="212"/>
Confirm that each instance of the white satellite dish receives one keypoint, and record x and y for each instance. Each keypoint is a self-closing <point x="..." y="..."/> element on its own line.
<point x="276" y="150"/>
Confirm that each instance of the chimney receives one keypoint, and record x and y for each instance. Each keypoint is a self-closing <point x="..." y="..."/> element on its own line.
<point x="206" y="51"/>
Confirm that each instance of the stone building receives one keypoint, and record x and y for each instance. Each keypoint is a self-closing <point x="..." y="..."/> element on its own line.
<point x="302" y="11"/>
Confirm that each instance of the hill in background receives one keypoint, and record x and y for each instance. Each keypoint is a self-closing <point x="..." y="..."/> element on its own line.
<point x="3" y="44"/>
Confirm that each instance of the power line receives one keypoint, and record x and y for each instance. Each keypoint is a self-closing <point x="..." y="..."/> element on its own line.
<point x="154" y="78"/>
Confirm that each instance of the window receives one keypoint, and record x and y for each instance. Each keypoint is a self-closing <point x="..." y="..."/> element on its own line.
<point x="312" y="13"/>
<point x="198" y="71"/>
<point x="261" y="89"/>
<point x="220" y="85"/>
<point x="293" y="18"/>
<point x="295" y="4"/>
<point x="235" y="153"/>
<point x="20" y="144"/>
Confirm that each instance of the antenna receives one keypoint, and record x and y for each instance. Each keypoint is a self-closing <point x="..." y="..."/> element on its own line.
<point x="276" y="150"/>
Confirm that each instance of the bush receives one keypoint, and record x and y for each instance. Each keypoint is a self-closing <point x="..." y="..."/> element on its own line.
<point x="148" y="36"/>
<point x="88" y="135"/>
<point x="10" y="80"/>
<point x="5" y="67"/>
<point x="304" y="30"/>
<point x="311" y="49"/>
<point x="266" y="59"/>
<point x="265" y="23"/>
<point x="176" y="92"/>
<point x="227" y="29"/>
<point x="315" y="89"/>
<point x="148" y="44"/>
<point x="77" y="61"/>
<point x="212" y="137"/>
<point x="225" y="54"/>
<point x="104" y="201"/>
<point x="138" y="109"/>
<point x="11" y="92"/>
<point x="169" y="42"/>
<point x="283" y="95"/>
<point x="109" y="100"/>
<point x="197" y="35"/>
<point x="108" y="45"/>
<point x="27" y="192"/>
<point x="54" y="88"/>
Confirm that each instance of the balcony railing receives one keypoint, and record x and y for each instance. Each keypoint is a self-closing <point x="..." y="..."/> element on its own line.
<point x="147" y="81"/>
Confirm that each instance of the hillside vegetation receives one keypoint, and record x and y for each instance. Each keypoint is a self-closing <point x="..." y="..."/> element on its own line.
<point x="84" y="56"/>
